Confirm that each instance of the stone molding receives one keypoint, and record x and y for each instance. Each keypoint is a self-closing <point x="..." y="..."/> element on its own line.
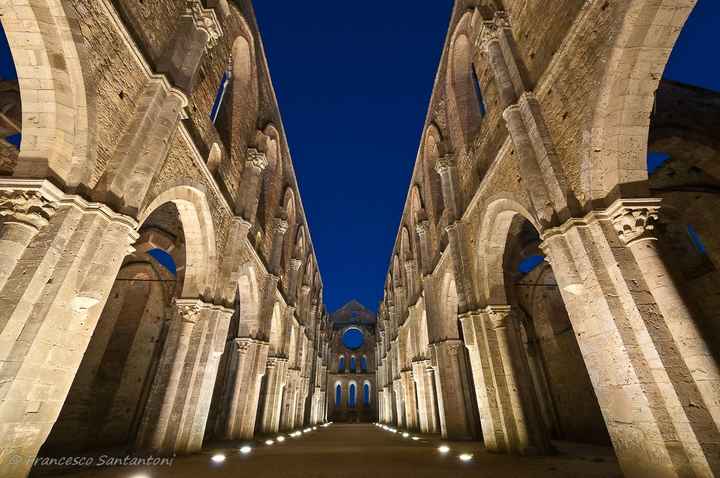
<point x="204" y="19"/>
<point x="256" y="159"/>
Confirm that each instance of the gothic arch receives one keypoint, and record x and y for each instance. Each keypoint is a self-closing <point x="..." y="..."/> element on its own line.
<point x="493" y="239"/>
<point x="465" y="105"/>
<point x="58" y="137"/>
<point x="431" y="153"/>
<point x="616" y="163"/>
<point x="200" y="240"/>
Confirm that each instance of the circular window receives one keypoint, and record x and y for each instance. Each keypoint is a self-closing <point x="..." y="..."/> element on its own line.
<point x="353" y="339"/>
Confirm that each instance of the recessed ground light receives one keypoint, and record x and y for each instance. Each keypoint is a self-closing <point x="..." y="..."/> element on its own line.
<point x="219" y="458"/>
<point x="140" y="475"/>
<point x="466" y="457"/>
<point x="314" y="428"/>
<point x="269" y="442"/>
<point x="246" y="450"/>
<point x="444" y="449"/>
<point x="406" y="435"/>
<point x="415" y="438"/>
<point x="280" y="439"/>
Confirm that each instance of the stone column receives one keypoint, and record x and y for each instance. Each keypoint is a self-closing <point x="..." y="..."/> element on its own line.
<point x="399" y="404"/>
<point x="652" y="400"/>
<point x="423" y="230"/>
<point x="423" y="374"/>
<point x="410" y="400"/>
<point x="280" y="228"/>
<point x="251" y="363"/>
<point x="252" y="180"/>
<point x="51" y="301"/>
<point x="457" y="416"/>
<point x="410" y="273"/>
<point x="22" y="215"/>
<point x="293" y="271"/>
<point x="186" y="317"/>
<point x="199" y="29"/>
<point x="491" y="43"/>
<point x="276" y="379"/>
<point x="289" y="401"/>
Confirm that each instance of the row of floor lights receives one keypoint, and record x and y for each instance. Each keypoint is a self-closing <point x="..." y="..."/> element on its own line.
<point x="442" y="449"/>
<point x="220" y="458"/>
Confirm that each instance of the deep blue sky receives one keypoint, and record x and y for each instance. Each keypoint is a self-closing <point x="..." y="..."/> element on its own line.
<point x="354" y="84"/>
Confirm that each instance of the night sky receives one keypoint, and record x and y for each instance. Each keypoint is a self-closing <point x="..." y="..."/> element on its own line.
<point x="354" y="85"/>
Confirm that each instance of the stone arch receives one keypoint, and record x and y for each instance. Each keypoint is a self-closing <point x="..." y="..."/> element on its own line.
<point x="275" y="334"/>
<point x="616" y="164"/>
<point x="200" y="241"/>
<point x="58" y="137"/>
<point x="269" y="143"/>
<point x="432" y="150"/>
<point x="465" y="103"/>
<point x="493" y="239"/>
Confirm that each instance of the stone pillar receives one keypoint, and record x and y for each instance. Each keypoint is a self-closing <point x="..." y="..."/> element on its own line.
<point x="445" y="167"/>
<point x="289" y="401"/>
<point x="293" y="271"/>
<point x="252" y="181"/>
<point x="187" y="312"/>
<point x="642" y="367"/>
<point x="22" y="215"/>
<point x="423" y="374"/>
<point x="276" y="379"/>
<point x="199" y="29"/>
<point x="410" y="400"/>
<point x="423" y="230"/>
<point x="457" y="416"/>
<point x="399" y="404"/>
<point x="410" y="274"/>
<point x="280" y="228"/>
<point x="52" y="296"/>
<point x="251" y="364"/>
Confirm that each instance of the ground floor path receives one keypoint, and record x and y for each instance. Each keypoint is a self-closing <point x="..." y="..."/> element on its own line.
<point x="354" y="451"/>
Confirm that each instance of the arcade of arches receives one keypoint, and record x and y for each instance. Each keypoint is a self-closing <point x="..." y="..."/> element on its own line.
<point x="159" y="289"/>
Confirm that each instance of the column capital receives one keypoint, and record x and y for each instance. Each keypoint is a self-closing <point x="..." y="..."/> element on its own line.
<point x="499" y="315"/>
<point x="634" y="220"/>
<point x="444" y="163"/>
<point x="27" y="207"/>
<point x="204" y="19"/>
<point x="295" y="264"/>
<point x="280" y="226"/>
<point x="256" y="159"/>
<point x="189" y="309"/>
<point x="422" y="228"/>
<point x="490" y="29"/>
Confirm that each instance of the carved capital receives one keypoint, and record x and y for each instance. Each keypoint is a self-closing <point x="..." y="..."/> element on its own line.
<point x="422" y="228"/>
<point x="256" y="159"/>
<point x="27" y="207"/>
<point x="635" y="222"/>
<point x="444" y="164"/>
<point x="280" y="226"/>
<point x="204" y="19"/>
<point x="490" y="30"/>
<point x="500" y="316"/>
<point x="295" y="264"/>
<point x="188" y="310"/>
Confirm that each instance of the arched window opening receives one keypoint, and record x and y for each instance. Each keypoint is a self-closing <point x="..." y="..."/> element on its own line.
<point x="529" y="264"/>
<point x="164" y="259"/>
<point x="363" y="364"/>
<point x="696" y="240"/>
<point x="338" y="395"/>
<point x="366" y="394"/>
<point x="478" y="93"/>
<point x="465" y="87"/>
<point x="11" y="120"/>
<point x="353" y="364"/>
<point x="655" y="161"/>
<point x="219" y="96"/>
<point x="352" y="398"/>
<point x="341" y="366"/>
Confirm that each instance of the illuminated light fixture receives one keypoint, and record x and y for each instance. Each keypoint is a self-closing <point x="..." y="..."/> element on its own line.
<point x="269" y="442"/>
<point x="140" y="475"/>
<point x="246" y="450"/>
<point x="416" y="438"/>
<point x="219" y="458"/>
<point x="465" y="457"/>
<point x="406" y="435"/>
<point x="307" y="430"/>
<point x="314" y="428"/>
<point x="444" y="449"/>
<point x="280" y="439"/>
